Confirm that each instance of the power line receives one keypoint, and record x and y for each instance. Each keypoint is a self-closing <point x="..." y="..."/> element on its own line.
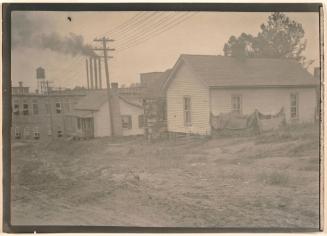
<point x="135" y="25"/>
<point x="125" y="24"/>
<point x="155" y="23"/>
<point x="155" y="33"/>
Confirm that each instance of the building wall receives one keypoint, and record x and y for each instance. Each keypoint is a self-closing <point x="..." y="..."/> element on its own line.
<point x="42" y="120"/>
<point x="183" y="84"/>
<point x="134" y="112"/>
<point x="266" y="100"/>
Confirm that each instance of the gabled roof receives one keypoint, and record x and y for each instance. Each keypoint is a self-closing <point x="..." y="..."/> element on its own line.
<point x="223" y="71"/>
<point x="96" y="98"/>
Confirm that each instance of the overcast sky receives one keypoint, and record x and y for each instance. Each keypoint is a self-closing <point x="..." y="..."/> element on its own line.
<point x="154" y="47"/>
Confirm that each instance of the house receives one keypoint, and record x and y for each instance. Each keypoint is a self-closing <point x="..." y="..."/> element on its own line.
<point x="91" y="117"/>
<point x="201" y="85"/>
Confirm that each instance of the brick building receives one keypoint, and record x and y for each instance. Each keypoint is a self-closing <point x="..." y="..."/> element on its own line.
<point x="36" y="115"/>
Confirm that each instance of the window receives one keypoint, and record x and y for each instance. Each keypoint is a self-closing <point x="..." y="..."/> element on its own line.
<point x="187" y="111"/>
<point x="236" y="104"/>
<point x="25" y="109"/>
<point x="126" y="121"/>
<point x="141" y="121"/>
<point x="17" y="133"/>
<point x="35" y="108"/>
<point x="16" y="108"/>
<point x="294" y="106"/>
<point x="58" y="107"/>
<point x="36" y="133"/>
<point x="59" y="133"/>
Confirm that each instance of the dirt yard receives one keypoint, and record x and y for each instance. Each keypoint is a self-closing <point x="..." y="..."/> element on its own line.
<point x="269" y="180"/>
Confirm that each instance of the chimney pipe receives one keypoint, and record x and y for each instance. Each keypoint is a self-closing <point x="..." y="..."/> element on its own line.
<point x="87" y="73"/>
<point x="91" y="73"/>
<point x="95" y="73"/>
<point x="100" y="79"/>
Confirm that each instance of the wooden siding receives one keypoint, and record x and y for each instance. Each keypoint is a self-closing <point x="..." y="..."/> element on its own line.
<point x="266" y="100"/>
<point x="134" y="112"/>
<point x="184" y="84"/>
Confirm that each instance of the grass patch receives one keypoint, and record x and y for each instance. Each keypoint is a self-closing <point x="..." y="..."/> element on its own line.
<point x="290" y="132"/>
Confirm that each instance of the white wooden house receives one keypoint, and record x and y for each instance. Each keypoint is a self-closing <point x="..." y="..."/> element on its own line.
<point x="91" y="118"/>
<point x="201" y="85"/>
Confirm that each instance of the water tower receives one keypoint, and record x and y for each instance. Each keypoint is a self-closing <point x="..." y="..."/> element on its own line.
<point x="40" y="77"/>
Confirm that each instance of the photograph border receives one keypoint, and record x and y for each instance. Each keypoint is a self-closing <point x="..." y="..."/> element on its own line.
<point x="7" y="8"/>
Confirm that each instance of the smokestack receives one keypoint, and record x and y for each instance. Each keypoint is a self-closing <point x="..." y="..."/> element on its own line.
<point x="100" y="79"/>
<point x="91" y="73"/>
<point x="95" y="72"/>
<point x="87" y="73"/>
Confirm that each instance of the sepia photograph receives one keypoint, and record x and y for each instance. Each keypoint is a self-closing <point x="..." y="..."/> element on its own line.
<point x="186" y="119"/>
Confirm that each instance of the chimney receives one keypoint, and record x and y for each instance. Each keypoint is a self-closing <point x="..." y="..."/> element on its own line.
<point x="91" y="73"/>
<point x="95" y="73"/>
<point x="20" y="83"/>
<point x="316" y="73"/>
<point x="87" y="74"/>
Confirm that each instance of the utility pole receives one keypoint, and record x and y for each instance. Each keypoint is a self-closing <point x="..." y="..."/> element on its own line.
<point x="105" y="50"/>
<point x="50" y="109"/>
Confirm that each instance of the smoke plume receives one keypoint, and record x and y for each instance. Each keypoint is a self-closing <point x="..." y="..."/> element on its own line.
<point x="28" y="30"/>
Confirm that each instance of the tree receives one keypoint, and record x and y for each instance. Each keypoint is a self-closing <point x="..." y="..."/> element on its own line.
<point x="280" y="37"/>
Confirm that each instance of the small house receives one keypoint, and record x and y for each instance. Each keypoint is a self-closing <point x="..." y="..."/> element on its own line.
<point x="91" y="117"/>
<point x="203" y="85"/>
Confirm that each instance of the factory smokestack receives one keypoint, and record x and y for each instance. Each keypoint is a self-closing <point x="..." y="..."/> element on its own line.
<point x="95" y="73"/>
<point x="100" y="79"/>
<point x="91" y="73"/>
<point x="87" y="74"/>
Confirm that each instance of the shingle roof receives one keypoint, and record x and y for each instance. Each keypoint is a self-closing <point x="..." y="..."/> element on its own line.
<point x="228" y="71"/>
<point x="96" y="98"/>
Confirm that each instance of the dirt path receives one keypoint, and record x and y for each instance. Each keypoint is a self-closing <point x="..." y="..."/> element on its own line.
<point x="225" y="182"/>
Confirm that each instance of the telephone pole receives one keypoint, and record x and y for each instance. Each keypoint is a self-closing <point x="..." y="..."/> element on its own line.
<point x="105" y="50"/>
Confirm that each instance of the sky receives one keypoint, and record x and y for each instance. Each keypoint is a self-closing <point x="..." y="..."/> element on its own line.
<point x="144" y="41"/>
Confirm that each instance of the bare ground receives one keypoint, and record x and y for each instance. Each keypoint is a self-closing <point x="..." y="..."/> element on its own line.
<point x="269" y="180"/>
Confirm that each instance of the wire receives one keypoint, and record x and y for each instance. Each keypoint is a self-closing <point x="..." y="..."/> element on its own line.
<point x="155" y="33"/>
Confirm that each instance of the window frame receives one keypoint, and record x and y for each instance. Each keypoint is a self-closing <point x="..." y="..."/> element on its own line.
<point x="25" y="110"/>
<point x="187" y="113"/>
<point x="239" y="110"/>
<point x="129" y="125"/>
<point x="58" y="109"/>
<point x="16" y="108"/>
<point x="296" y="117"/>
